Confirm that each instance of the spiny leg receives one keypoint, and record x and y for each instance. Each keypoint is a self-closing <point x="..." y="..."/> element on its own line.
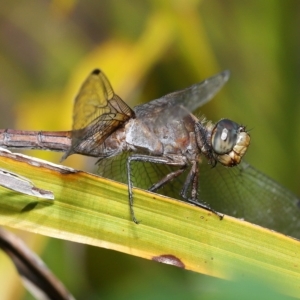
<point x="192" y="179"/>
<point x="194" y="190"/>
<point x="166" y="179"/>
<point x="151" y="159"/>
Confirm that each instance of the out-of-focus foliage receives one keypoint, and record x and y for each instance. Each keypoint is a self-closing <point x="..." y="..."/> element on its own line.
<point x="147" y="49"/>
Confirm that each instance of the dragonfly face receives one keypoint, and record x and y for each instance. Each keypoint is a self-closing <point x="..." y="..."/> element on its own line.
<point x="229" y="142"/>
<point x="154" y="144"/>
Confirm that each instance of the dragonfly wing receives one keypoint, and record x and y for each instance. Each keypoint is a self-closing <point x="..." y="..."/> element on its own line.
<point x="143" y="174"/>
<point x="245" y="192"/>
<point x="98" y="112"/>
<point x="241" y="192"/>
<point x="191" y="98"/>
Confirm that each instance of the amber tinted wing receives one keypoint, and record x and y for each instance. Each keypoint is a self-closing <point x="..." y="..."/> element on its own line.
<point x="98" y="112"/>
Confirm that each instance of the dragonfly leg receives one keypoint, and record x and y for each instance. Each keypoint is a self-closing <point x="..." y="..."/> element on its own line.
<point x="151" y="159"/>
<point x="192" y="179"/>
<point x="166" y="179"/>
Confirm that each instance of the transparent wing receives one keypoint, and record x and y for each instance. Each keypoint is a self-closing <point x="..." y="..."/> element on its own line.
<point x="245" y="192"/>
<point x="191" y="98"/>
<point x="143" y="174"/>
<point x="98" y="112"/>
<point x="242" y="191"/>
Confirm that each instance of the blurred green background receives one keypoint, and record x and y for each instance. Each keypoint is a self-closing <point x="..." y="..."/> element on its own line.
<point x="147" y="49"/>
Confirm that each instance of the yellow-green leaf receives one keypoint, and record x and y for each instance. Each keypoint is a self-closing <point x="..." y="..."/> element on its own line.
<point x="92" y="210"/>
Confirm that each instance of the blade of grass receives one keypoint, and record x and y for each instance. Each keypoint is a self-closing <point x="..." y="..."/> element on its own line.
<point x="92" y="210"/>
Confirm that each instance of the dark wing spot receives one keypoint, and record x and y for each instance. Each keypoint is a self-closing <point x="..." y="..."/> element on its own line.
<point x="96" y="72"/>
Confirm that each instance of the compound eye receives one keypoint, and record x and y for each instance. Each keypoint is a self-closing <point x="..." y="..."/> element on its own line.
<point x="224" y="136"/>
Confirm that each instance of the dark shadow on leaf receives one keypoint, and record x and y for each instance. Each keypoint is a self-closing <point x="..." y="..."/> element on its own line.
<point x="29" y="207"/>
<point x="34" y="205"/>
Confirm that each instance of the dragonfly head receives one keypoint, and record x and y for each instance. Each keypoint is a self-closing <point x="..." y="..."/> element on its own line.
<point x="229" y="142"/>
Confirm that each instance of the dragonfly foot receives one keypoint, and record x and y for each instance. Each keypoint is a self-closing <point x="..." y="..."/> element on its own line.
<point x="133" y="216"/>
<point x="204" y="206"/>
<point x="135" y="220"/>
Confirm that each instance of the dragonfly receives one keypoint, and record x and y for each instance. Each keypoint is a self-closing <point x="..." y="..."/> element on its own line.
<point x="161" y="146"/>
